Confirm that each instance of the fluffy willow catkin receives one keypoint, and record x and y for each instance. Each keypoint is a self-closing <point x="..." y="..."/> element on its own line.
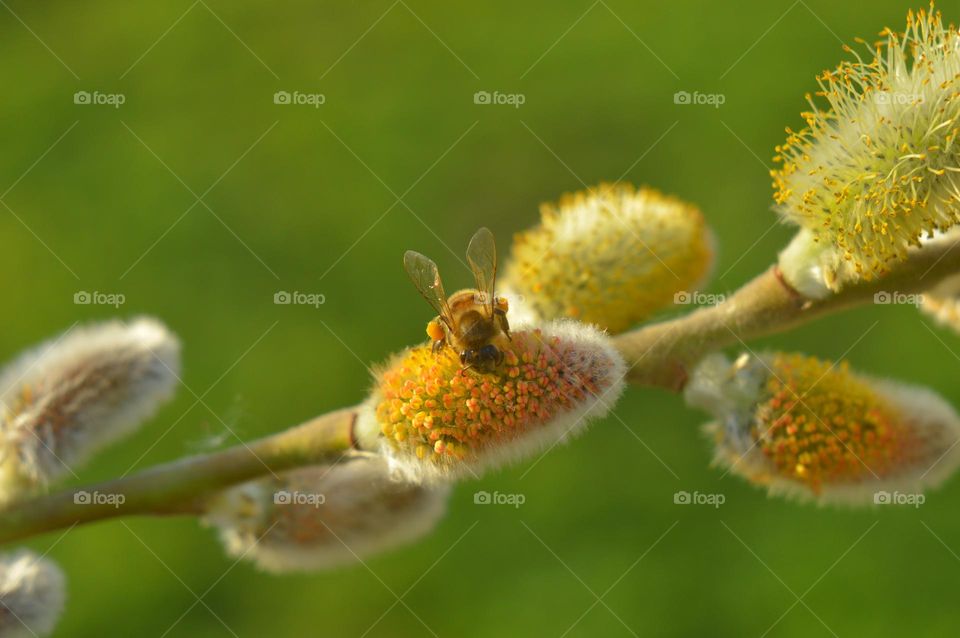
<point x="815" y="430"/>
<point x="32" y="593"/>
<point x="66" y="399"/>
<point x="942" y="302"/>
<point x="320" y="517"/>
<point x="434" y="420"/>
<point x="878" y="166"/>
<point x="611" y="255"/>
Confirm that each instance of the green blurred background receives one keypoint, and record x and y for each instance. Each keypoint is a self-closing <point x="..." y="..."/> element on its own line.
<point x="304" y="198"/>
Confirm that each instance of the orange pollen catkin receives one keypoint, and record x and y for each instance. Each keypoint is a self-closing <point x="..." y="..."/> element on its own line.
<point x="434" y="413"/>
<point x="816" y="430"/>
<point x="820" y="424"/>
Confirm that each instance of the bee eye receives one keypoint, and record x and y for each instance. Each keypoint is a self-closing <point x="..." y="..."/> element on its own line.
<point x="503" y="304"/>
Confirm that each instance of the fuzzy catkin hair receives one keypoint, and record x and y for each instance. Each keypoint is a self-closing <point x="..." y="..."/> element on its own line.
<point x="942" y="302"/>
<point x="66" y="399"/>
<point x="32" y="593"/>
<point x="321" y="517"/>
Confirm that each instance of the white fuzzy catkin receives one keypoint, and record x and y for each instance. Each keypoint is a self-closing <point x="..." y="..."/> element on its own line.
<point x="32" y="593"/>
<point x="320" y="517"/>
<point x="942" y="302"/>
<point x="66" y="399"/>
<point x="435" y="421"/>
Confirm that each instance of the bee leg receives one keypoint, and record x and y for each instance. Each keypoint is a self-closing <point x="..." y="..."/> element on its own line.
<point x="436" y="332"/>
<point x="503" y="323"/>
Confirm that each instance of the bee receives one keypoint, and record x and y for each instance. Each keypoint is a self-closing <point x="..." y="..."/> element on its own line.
<point x="473" y="320"/>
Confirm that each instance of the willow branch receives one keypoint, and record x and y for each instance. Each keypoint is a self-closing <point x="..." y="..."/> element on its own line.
<point x="660" y="354"/>
<point x="180" y="487"/>
<point x="657" y="355"/>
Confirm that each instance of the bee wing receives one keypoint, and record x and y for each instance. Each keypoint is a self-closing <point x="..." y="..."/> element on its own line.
<point x="482" y="257"/>
<point x="426" y="278"/>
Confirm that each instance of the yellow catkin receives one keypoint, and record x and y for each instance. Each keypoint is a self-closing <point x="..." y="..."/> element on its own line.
<point x="877" y="167"/>
<point x="611" y="256"/>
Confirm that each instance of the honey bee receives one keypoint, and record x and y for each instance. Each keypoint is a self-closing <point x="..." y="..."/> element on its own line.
<point x="472" y="320"/>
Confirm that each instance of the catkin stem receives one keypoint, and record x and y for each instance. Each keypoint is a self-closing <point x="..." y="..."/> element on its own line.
<point x="660" y="354"/>
<point x="657" y="355"/>
<point x="181" y="486"/>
